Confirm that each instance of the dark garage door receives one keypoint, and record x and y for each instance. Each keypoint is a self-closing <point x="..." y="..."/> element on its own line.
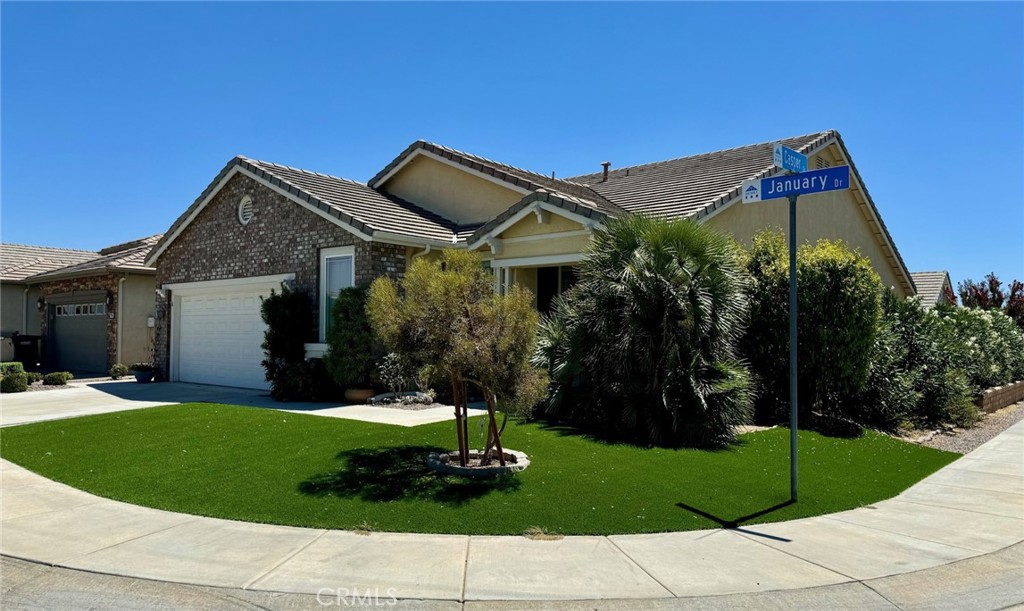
<point x="79" y="337"/>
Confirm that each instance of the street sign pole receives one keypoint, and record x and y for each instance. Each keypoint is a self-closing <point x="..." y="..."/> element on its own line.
<point x="792" y="347"/>
<point x="795" y="180"/>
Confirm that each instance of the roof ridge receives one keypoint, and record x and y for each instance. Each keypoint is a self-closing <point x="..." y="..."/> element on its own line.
<point x="310" y="172"/>
<point x="48" y="247"/>
<point x="129" y="245"/>
<point x="500" y="163"/>
<point x="816" y="135"/>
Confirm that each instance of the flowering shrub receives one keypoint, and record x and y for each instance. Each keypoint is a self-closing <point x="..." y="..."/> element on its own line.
<point x="990" y="346"/>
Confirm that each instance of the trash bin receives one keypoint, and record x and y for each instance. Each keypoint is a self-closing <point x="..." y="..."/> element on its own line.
<point x="28" y="350"/>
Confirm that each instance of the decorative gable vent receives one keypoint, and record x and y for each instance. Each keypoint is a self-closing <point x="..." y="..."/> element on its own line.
<point x="820" y="163"/>
<point x="245" y="210"/>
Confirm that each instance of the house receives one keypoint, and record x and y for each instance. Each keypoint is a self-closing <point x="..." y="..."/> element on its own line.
<point x="98" y="311"/>
<point x="20" y="305"/>
<point x="933" y="288"/>
<point x="258" y="224"/>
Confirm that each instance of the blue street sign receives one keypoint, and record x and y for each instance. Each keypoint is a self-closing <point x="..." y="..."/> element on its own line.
<point x="788" y="159"/>
<point x="815" y="181"/>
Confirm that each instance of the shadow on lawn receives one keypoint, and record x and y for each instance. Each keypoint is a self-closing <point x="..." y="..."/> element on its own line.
<point x="400" y="473"/>
<point x="736" y="522"/>
<point x="610" y="438"/>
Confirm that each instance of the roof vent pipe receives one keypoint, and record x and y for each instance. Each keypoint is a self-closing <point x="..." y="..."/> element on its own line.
<point x="605" y="165"/>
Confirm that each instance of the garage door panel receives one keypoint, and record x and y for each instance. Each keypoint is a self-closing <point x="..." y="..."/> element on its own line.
<point x="78" y="338"/>
<point x="219" y="339"/>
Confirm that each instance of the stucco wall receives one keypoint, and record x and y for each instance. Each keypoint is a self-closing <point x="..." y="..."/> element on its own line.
<point x="455" y="194"/>
<point x="138" y="300"/>
<point x="833" y="215"/>
<point x="529" y="226"/>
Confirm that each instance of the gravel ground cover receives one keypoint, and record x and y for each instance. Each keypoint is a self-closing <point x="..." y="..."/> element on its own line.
<point x="963" y="441"/>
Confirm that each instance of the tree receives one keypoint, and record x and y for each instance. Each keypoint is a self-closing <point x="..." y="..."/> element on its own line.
<point x="445" y="313"/>
<point x="645" y="343"/>
<point x="985" y="295"/>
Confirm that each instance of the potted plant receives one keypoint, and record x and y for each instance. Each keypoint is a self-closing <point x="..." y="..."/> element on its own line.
<point x="143" y="372"/>
<point x="350" y="345"/>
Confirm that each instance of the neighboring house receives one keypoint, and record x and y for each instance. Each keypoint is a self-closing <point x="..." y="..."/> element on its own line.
<point x="933" y="288"/>
<point x="259" y="224"/>
<point x="20" y="304"/>
<point x="99" y="311"/>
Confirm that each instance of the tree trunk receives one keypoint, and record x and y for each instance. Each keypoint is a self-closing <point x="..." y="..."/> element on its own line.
<point x="465" y="417"/>
<point x="459" y="429"/>
<point x="493" y="425"/>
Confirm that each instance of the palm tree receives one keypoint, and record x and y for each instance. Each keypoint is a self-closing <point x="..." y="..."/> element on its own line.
<point x="646" y="342"/>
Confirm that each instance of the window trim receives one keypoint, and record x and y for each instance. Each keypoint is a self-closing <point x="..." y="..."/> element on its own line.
<point x="325" y="255"/>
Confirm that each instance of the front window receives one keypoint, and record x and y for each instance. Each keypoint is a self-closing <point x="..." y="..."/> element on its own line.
<point x="337" y="271"/>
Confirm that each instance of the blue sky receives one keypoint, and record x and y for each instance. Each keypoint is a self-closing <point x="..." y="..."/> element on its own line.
<point x="116" y="116"/>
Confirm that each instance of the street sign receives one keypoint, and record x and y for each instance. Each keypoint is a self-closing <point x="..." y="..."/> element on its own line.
<point x="815" y="181"/>
<point x="788" y="159"/>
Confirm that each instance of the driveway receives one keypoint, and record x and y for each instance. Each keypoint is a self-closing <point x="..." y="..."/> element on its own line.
<point x="115" y="396"/>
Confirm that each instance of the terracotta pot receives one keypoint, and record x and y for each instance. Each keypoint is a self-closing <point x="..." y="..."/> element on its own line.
<point x="358" y="395"/>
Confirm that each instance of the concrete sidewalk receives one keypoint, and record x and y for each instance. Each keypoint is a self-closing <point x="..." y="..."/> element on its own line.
<point x="115" y="396"/>
<point x="971" y="508"/>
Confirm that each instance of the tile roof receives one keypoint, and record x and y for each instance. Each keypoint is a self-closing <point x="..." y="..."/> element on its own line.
<point x="930" y="286"/>
<point x="685" y="186"/>
<point x="18" y="261"/>
<point x="572" y="204"/>
<point x="127" y="257"/>
<point x="524" y="179"/>
<point x="369" y="210"/>
<point x="353" y="203"/>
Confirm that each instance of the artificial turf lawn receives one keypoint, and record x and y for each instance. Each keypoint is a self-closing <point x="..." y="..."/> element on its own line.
<point x="264" y="465"/>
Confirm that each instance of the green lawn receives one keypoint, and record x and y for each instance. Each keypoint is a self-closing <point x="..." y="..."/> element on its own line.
<point x="267" y="466"/>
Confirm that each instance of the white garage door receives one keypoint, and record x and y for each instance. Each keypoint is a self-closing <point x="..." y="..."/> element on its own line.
<point x="219" y="337"/>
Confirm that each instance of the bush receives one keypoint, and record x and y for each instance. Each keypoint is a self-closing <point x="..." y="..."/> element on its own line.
<point x="119" y="371"/>
<point x="839" y="299"/>
<point x="915" y="377"/>
<point x="645" y="344"/>
<point x="289" y="319"/>
<point x="11" y="367"/>
<point x="14" y="382"/>
<point x="33" y="377"/>
<point x="141" y="367"/>
<point x="57" y="378"/>
<point x="990" y="346"/>
<point x="349" y="359"/>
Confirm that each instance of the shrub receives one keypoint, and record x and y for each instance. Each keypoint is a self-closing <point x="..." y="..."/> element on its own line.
<point x="57" y="378"/>
<point x="645" y="344"/>
<point x="349" y="358"/>
<point x="989" y="347"/>
<point x="839" y="310"/>
<point x="119" y="371"/>
<point x="33" y="377"/>
<point x="11" y="367"/>
<point x="141" y="367"/>
<point x="915" y="377"/>
<point x="289" y="319"/>
<point x="14" y="382"/>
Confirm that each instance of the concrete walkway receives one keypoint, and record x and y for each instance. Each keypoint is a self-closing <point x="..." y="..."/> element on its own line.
<point x="115" y="396"/>
<point x="972" y="508"/>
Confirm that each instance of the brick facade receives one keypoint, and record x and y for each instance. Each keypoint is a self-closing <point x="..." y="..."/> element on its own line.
<point x="107" y="283"/>
<point x="282" y="238"/>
